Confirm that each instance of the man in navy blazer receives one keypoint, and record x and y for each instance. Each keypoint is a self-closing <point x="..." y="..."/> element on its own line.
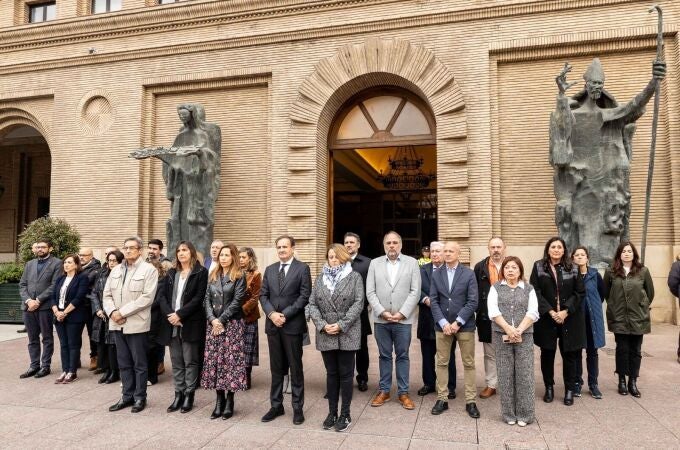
<point x="453" y="299"/>
<point x="285" y="291"/>
<point x="426" y="328"/>
<point x="35" y="290"/>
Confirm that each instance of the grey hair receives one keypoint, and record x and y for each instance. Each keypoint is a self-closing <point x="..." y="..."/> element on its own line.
<point x="137" y="239"/>
<point x="436" y="244"/>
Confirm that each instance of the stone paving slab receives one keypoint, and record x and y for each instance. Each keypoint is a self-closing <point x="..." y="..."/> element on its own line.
<point x="38" y="413"/>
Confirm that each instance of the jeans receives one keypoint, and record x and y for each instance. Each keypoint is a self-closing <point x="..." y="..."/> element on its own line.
<point x="339" y="371"/>
<point x="628" y="354"/>
<point x="70" y="341"/>
<point x="397" y="337"/>
<point x="592" y="360"/>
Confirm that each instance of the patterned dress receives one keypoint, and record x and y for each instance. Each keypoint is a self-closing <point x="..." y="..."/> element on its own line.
<point x="224" y="366"/>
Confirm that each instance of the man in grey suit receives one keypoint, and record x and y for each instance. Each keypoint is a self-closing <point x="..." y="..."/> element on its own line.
<point x="392" y="289"/>
<point x="35" y="290"/>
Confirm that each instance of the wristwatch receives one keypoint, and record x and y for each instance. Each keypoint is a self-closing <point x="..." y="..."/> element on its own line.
<point x="458" y="323"/>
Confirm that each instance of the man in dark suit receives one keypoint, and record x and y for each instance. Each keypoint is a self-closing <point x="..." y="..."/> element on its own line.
<point x="35" y="289"/>
<point x="360" y="264"/>
<point x="453" y="297"/>
<point x="285" y="291"/>
<point x="426" y="328"/>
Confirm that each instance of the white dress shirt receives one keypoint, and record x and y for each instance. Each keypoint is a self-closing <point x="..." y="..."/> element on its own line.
<point x="492" y="302"/>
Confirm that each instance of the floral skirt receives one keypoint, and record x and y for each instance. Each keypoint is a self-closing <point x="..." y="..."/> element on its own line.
<point x="252" y="347"/>
<point x="224" y="361"/>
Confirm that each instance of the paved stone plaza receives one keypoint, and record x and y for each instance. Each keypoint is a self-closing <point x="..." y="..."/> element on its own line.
<point x="38" y="414"/>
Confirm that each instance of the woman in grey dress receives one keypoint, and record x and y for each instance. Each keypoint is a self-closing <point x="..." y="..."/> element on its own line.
<point x="335" y="307"/>
<point x="513" y="307"/>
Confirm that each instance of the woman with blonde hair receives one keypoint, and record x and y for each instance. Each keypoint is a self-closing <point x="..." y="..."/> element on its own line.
<point x="224" y="365"/>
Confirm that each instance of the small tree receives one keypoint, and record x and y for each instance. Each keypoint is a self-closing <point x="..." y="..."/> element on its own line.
<point x="65" y="238"/>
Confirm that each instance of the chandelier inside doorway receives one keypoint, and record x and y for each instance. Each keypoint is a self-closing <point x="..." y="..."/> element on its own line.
<point x="405" y="171"/>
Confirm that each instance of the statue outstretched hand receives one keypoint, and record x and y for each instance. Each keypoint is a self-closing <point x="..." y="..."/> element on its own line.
<point x="139" y="154"/>
<point x="659" y="70"/>
<point x="562" y="84"/>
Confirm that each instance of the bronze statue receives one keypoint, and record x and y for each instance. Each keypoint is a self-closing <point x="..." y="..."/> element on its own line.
<point x="590" y="150"/>
<point x="191" y="171"/>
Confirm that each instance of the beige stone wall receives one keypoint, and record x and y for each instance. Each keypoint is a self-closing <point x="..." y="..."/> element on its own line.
<point x="249" y="61"/>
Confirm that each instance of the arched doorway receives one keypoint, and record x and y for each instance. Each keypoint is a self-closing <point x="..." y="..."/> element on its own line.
<point x="25" y="173"/>
<point x="383" y="169"/>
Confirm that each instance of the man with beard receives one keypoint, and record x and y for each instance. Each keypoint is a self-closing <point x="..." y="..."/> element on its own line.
<point x="90" y="266"/>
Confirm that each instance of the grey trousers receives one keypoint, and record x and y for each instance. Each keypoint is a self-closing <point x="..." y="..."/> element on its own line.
<point x="186" y="364"/>
<point x="515" y="365"/>
<point x="39" y="323"/>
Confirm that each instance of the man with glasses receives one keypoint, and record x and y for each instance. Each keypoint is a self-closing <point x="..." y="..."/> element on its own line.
<point x="90" y="268"/>
<point x="128" y="296"/>
<point x="35" y="290"/>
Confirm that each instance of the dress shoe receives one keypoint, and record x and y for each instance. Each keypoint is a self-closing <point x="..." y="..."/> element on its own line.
<point x="249" y="378"/>
<point x="29" y="373"/>
<point x="439" y="407"/>
<point x="632" y="387"/>
<point x="569" y="398"/>
<point x="325" y="396"/>
<point x="161" y="368"/>
<point x="298" y="417"/>
<point x="623" y="390"/>
<point x="114" y="377"/>
<point x="549" y="394"/>
<point x="272" y="414"/>
<point x="138" y="406"/>
<point x="188" y="403"/>
<point x="329" y="423"/>
<point x="487" y="392"/>
<point x="406" y="402"/>
<point x="104" y="377"/>
<point x="423" y="391"/>
<point x="362" y="386"/>
<point x="380" y="398"/>
<point x="121" y="404"/>
<point x="452" y="395"/>
<point x="43" y="372"/>
<point x="595" y="392"/>
<point x="23" y="330"/>
<point x="577" y="390"/>
<point x="219" y="405"/>
<point x="93" y="364"/>
<point x="70" y="378"/>
<point x="60" y="379"/>
<point x="177" y="402"/>
<point x="228" y="406"/>
<point x="98" y="371"/>
<point x="472" y="410"/>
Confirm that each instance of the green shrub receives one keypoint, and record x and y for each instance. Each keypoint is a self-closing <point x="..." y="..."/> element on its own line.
<point x="64" y="237"/>
<point x="10" y="272"/>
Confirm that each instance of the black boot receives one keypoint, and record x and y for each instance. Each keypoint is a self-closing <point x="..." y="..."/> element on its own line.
<point x="179" y="398"/>
<point x="229" y="406"/>
<point x="622" y="385"/>
<point x="188" y="404"/>
<point x="114" y="377"/>
<point x="104" y="377"/>
<point x="249" y="372"/>
<point x="632" y="387"/>
<point x="219" y="405"/>
<point x="549" y="394"/>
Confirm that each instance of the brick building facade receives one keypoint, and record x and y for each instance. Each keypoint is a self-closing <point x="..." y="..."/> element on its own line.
<point x="79" y="92"/>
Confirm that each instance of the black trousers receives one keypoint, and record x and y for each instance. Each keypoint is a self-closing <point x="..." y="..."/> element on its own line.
<point x="428" y="347"/>
<point x="152" y="362"/>
<point x="339" y="371"/>
<point x="106" y="356"/>
<point x="39" y="323"/>
<point x="628" y="354"/>
<point x="70" y="341"/>
<point x="88" y="324"/>
<point x="285" y="352"/>
<point x="569" y="366"/>
<point x="362" y="360"/>
<point x="131" y="350"/>
<point x="592" y="359"/>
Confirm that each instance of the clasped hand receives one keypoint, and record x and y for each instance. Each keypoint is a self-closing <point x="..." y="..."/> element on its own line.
<point x="513" y="334"/>
<point x="32" y="305"/>
<point x="174" y="320"/>
<point x="388" y="316"/>
<point x="333" y="328"/>
<point x="450" y="329"/>
<point x="117" y="317"/>
<point x="278" y="318"/>
<point x="559" y="317"/>
<point x="217" y="327"/>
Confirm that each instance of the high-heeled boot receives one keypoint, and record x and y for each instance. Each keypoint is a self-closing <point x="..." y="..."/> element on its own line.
<point x="219" y="405"/>
<point x="188" y="404"/>
<point x="249" y="378"/>
<point x="622" y="385"/>
<point x="632" y="387"/>
<point x="228" y="406"/>
<point x="177" y="402"/>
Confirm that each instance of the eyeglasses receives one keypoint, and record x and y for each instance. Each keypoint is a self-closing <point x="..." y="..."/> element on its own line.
<point x="127" y="249"/>
<point x="84" y="255"/>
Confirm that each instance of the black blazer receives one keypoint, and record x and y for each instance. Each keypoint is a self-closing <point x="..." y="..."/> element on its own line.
<point x="360" y="265"/>
<point x="289" y="299"/>
<point x="484" y="286"/>
<point x="76" y="295"/>
<point x="191" y="310"/>
<point x="425" y="328"/>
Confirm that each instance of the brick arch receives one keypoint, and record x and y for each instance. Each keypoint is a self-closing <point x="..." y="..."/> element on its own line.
<point x="16" y="116"/>
<point x="352" y="69"/>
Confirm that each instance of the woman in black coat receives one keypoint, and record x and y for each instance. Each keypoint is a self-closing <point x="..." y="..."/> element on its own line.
<point x="70" y="312"/>
<point x="156" y="344"/>
<point x="107" y="359"/>
<point x="560" y="292"/>
<point x="184" y="327"/>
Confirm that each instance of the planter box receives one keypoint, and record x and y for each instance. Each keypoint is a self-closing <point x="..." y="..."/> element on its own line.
<point x="10" y="303"/>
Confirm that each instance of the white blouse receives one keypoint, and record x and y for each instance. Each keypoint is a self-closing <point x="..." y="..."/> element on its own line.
<point x="62" y="293"/>
<point x="492" y="302"/>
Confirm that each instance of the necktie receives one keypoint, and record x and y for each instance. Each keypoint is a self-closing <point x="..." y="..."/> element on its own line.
<point x="282" y="275"/>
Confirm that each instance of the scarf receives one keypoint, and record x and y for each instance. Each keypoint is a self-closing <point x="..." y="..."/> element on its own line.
<point x="333" y="275"/>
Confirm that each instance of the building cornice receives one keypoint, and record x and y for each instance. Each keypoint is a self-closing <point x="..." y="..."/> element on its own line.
<point x="325" y="31"/>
